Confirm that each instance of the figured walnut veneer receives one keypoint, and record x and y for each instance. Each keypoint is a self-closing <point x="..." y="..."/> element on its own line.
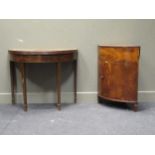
<point x="118" y="74"/>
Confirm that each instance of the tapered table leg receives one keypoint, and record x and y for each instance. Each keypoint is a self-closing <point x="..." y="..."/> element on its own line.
<point x="23" y="80"/>
<point x="13" y="81"/>
<point x="58" y="85"/>
<point x="75" y="80"/>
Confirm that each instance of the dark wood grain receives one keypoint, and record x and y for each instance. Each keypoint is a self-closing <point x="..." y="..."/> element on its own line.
<point x="118" y="74"/>
<point x="23" y="82"/>
<point x="75" y="80"/>
<point x="58" y="85"/>
<point x="42" y="52"/>
<point x="13" y="81"/>
<point x="42" y="58"/>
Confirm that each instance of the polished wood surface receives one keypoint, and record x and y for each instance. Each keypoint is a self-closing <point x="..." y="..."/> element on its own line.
<point x="40" y="56"/>
<point x="23" y="82"/>
<point x="118" y="74"/>
<point x="22" y="57"/>
<point x="13" y="81"/>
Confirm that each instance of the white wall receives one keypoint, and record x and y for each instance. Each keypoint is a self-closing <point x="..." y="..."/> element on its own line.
<point x="84" y="35"/>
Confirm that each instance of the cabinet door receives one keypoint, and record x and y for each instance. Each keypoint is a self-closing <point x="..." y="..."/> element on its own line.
<point x="118" y="76"/>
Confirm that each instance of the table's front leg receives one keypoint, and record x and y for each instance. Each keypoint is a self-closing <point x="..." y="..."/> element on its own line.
<point x="13" y="81"/>
<point x="58" y="85"/>
<point x="23" y="81"/>
<point x="75" y="80"/>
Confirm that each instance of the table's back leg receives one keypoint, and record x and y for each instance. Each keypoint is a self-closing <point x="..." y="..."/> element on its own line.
<point x="13" y="81"/>
<point x="23" y="80"/>
<point x="75" y="80"/>
<point x="58" y="85"/>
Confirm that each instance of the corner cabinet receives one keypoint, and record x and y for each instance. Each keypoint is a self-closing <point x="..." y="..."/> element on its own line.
<point x="118" y="74"/>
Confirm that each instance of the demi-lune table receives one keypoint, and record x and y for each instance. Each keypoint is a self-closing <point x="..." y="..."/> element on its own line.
<point x="22" y="57"/>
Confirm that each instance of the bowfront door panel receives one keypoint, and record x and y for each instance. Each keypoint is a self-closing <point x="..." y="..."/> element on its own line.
<point x="118" y="73"/>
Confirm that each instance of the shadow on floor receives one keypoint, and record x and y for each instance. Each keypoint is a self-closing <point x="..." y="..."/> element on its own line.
<point x="119" y="105"/>
<point x="45" y="106"/>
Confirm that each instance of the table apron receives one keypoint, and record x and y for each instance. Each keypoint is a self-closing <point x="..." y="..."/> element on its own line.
<point x="42" y="58"/>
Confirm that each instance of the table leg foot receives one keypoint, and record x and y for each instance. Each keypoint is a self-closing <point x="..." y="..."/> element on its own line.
<point x="25" y="108"/>
<point x="59" y="107"/>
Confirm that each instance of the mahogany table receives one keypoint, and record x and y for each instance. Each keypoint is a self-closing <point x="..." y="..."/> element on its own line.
<point x="22" y="57"/>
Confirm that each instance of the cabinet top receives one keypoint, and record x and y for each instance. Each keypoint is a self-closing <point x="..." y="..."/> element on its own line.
<point x="119" y="46"/>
